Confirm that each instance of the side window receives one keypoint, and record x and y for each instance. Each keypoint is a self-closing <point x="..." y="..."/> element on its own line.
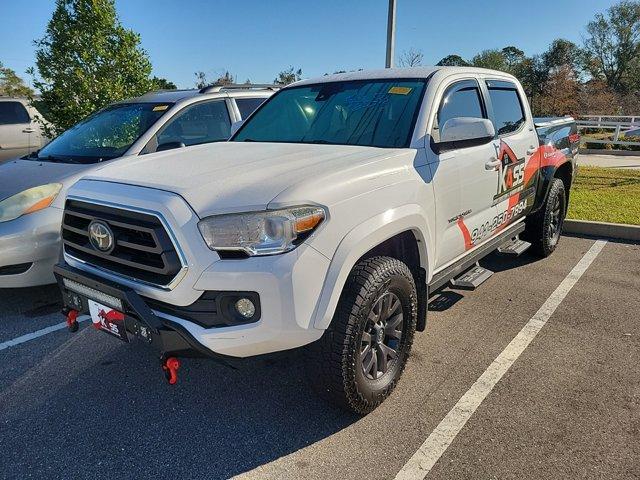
<point x="248" y="105"/>
<point x="507" y="107"/>
<point x="205" y="122"/>
<point x="12" y="113"/>
<point x="462" y="99"/>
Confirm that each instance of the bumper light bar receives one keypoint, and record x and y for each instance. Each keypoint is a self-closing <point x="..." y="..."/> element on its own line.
<point x="93" y="294"/>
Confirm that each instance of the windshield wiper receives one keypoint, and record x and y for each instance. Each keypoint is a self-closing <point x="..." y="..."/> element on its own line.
<point x="54" y="159"/>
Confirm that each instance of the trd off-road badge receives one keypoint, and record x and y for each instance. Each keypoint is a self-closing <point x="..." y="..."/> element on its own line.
<point x="510" y="173"/>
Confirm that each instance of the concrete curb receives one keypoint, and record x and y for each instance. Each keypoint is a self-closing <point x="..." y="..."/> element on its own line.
<point x="617" y="153"/>
<point x="602" y="229"/>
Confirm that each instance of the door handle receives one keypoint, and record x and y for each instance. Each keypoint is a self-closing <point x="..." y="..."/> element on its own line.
<point x="28" y="130"/>
<point x="492" y="164"/>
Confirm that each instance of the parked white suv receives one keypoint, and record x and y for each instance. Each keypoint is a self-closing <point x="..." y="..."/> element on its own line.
<point x="324" y="222"/>
<point x="20" y="133"/>
<point x="32" y="189"/>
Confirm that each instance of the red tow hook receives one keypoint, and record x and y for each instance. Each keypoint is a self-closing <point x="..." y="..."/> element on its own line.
<point x="170" y="366"/>
<point x="72" y="320"/>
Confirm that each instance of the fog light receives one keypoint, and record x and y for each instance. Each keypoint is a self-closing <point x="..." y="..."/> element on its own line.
<point x="245" y="307"/>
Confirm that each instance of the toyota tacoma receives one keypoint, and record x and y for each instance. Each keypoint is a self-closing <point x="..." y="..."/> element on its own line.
<point x="325" y="222"/>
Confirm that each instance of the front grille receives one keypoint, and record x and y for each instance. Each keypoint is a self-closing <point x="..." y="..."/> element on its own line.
<point x="142" y="247"/>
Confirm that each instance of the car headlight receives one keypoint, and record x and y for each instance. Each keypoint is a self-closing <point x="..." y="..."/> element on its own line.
<point x="28" y="201"/>
<point x="261" y="233"/>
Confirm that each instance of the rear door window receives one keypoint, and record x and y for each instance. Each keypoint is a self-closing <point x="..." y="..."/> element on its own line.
<point x="12" y="113"/>
<point x="204" y="122"/>
<point x="248" y="105"/>
<point x="508" y="113"/>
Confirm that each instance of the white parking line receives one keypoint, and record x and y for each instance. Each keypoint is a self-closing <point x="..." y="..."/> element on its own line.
<point x="39" y="333"/>
<point x="421" y="463"/>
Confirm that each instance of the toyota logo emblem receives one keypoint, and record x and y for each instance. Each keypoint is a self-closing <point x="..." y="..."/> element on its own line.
<point x="101" y="236"/>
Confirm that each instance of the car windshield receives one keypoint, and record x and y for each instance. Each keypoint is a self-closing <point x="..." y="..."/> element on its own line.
<point x="104" y="135"/>
<point x="377" y="113"/>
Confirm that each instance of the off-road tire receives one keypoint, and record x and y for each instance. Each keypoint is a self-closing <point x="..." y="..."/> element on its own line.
<point x="336" y="361"/>
<point x="543" y="228"/>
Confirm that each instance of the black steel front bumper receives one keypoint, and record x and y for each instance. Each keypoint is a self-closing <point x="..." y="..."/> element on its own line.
<point x="140" y="321"/>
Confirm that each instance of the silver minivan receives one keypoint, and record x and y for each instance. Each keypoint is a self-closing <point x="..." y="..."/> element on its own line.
<point x="33" y="188"/>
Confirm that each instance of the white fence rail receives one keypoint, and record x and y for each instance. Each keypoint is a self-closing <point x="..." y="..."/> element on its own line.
<point x="619" y="125"/>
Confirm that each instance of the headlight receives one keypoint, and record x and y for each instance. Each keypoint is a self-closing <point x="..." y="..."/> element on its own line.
<point x="28" y="201"/>
<point x="261" y="233"/>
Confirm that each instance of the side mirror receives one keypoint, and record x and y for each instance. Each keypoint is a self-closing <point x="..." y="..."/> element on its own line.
<point x="463" y="132"/>
<point x="169" y="146"/>
<point x="235" y="126"/>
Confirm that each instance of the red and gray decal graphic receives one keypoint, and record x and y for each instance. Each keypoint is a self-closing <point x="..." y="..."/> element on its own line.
<point x="510" y="173"/>
<point x="515" y="190"/>
<point x="468" y="241"/>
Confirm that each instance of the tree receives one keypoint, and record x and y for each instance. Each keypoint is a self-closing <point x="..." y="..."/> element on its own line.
<point x="87" y="60"/>
<point x="513" y="58"/>
<point x="596" y="98"/>
<point x="612" y="47"/>
<point x="493" y="59"/>
<point x="452" y="61"/>
<point x="560" y="93"/>
<point x="533" y="75"/>
<point x="563" y="53"/>
<point x="225" y="79"/>
<point x="11" y="85"/>
<point x="201" y="79"/>
<point x="411" y="58"/>
<point x="288" y="76"/>
<point x="163" y="84"/>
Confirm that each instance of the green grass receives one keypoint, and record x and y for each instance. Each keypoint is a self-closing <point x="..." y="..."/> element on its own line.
<point x="606" y="195"/>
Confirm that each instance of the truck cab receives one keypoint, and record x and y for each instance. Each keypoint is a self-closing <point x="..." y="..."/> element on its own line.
<point x="323" y="223"/>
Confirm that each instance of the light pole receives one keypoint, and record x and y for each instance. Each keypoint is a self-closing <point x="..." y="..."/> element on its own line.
<point x="391" y="33"/>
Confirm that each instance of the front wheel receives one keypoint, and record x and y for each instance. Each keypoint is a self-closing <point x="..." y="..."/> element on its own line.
<point x="544" y="228"/>
<point x="359" y="359"/>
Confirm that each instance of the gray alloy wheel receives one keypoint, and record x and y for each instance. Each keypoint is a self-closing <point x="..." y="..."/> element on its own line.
<point x="381" y="336"/>
<point x="360" y="358"/>
<point x="543" y="229"/>
<point x="555" y="220"/>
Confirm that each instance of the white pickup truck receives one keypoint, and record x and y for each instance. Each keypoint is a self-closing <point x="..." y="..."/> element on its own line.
<point x="325" y="222"/>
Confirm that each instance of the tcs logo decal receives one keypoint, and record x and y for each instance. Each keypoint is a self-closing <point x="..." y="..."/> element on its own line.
<point x="511" y="176"/>
<point x="510" y="172"/>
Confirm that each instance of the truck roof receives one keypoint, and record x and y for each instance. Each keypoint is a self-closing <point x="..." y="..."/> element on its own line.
<point x="390" y="73"/>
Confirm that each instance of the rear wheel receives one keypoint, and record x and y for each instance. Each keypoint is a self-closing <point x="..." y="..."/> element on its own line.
<point x="544" y="228"/>
<point x="359" y="359"/>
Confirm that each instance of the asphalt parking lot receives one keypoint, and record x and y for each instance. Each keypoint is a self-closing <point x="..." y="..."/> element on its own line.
<point x="85" y="405"/>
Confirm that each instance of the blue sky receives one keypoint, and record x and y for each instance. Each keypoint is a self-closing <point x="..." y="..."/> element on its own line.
<point x="256" y="39"/>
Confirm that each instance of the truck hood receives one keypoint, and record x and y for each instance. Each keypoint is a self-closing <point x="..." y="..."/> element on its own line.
<point x="19" y="175"/>
<point x="232" y="176"/>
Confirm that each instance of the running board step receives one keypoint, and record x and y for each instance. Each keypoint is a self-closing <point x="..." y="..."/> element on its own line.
<point x="472" y="278"/>
<point x="514" y="247"/>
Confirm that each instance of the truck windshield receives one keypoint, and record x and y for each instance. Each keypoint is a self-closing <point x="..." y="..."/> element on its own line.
<point x="104" y="135"/>
<point x="377" y="113"/>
